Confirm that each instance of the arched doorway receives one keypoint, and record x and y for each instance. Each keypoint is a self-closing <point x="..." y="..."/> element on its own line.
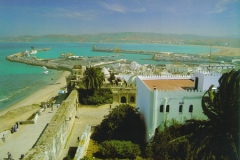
<point x="132" y="99"/>
<point x="123" y="99"/>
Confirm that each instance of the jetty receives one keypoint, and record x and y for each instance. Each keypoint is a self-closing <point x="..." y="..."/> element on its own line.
<point x="118" y="50"/>
<point x="64" y="62"/>
<point x="38" y="62"/>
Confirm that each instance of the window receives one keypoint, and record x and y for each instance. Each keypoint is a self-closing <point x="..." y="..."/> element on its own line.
<point x="180" y="108"/>
<point x="132" y="99"/>
<point x="161" y="108"/>
<point x="167" y="108"/>
<point x="191" y="108"/>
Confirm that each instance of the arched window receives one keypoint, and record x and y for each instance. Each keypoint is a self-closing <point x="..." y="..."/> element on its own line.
<point x="191" y="108"/>
<point x="161" y="108"/>
<point x="123" y="99"/>
<point x="132" y="99"/>
<point x="167" y="108"/>
<point x="180" y="108"/>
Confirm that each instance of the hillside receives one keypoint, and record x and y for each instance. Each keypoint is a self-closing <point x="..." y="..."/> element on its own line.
<point x="130" y="37"/>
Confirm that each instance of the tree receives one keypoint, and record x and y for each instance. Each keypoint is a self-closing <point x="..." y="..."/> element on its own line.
<point x="218" y="137"/>
<point x="168" y="143"/>
<point x="122" y="123"/>
<point x="111" y="78"/>
<point x="93" y="78"/>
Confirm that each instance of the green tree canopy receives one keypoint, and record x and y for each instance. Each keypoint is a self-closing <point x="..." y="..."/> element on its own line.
<point x="122" y="123"/>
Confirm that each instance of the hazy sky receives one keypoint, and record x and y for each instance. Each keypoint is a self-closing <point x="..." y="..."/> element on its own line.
<point x="41" y="17"/>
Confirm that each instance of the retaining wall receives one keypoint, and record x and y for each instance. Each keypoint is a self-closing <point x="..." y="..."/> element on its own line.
<point x="52" y="141"/>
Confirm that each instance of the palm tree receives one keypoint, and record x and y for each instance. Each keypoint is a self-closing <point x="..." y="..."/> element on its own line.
<point x="218" y="137"/>
<point x="111" y="78"/>
<point x="93" y="78"/>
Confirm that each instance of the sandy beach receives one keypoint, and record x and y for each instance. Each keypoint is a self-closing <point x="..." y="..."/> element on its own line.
<point x="226" y="51"/>
<point x="25" y="108"/>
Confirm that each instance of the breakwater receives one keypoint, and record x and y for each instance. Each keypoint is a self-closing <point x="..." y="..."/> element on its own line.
<point x="36" y="62"/>
<point x="118" y="50"/>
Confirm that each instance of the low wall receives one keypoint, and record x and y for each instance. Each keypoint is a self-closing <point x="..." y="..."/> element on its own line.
<point x="31" y="121"/>
<point x="52" y="141"/>
<point x="83" y="144"/>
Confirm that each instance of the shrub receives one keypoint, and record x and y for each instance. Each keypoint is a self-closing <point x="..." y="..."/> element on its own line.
<point x="122" y="123"/>
<point x="119" y="149"/>
<point x="101" y="96"/>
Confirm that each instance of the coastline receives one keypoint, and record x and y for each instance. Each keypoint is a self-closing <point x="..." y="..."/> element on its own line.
<point x="226" y="51"/>
<point x="40" y="95"/>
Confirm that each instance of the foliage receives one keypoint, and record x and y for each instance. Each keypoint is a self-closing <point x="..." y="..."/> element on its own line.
<point x="168" y="143"/>
<point x="101" y="96"/>
<point x="122" y="123"/>
<point x="85" y="158"/>
<point x="119" y="149"/>
<point x="218" y="137"/>
<point x="111" y="78"/>
<point x="93" y="78"/>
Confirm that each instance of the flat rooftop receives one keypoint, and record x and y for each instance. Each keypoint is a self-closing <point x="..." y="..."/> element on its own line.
<point x="170" y="84"/>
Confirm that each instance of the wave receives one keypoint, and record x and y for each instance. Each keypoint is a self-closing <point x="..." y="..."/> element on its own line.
<point x="13" y="93"/>
<point x="4" y="99"/>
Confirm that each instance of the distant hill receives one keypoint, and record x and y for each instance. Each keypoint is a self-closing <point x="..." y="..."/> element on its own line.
<point x="130" y="37"/>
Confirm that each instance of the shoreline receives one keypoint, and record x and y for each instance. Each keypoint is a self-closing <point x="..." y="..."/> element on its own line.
<point x="41" y="95"/>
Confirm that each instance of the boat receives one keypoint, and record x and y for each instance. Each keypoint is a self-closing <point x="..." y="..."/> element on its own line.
<point x="33" y="51"/>
<point x="46" y="72"/>
<point x="45" y="68"/>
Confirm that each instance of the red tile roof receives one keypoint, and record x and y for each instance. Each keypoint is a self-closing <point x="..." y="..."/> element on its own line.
<point x="169" y="84"/>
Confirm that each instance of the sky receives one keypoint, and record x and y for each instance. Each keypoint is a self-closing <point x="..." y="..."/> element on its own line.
<point x="77" y="17"/>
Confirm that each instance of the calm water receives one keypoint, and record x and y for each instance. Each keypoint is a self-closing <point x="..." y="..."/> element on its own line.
<point x="17" y="81"/>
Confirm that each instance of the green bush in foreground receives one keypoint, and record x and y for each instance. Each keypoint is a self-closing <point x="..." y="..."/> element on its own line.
<point x="119" y="149"/>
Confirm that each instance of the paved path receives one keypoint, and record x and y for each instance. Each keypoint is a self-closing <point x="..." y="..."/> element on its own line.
<point x="23" y="140"/>
<point x="87" y="116"/>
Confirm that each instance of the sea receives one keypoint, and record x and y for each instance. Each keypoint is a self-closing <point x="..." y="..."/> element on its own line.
<point x="17" y="80"/>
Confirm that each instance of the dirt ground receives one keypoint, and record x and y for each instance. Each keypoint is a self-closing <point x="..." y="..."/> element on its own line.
<point x="19" y="114"/>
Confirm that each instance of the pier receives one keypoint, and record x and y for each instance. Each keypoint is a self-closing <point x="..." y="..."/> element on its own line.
<point x="118" y="50"/>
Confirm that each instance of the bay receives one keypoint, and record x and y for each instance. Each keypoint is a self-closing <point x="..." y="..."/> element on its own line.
<point x="18" y="81"/>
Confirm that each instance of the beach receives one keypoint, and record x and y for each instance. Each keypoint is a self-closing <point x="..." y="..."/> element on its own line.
<point x="25" y="108"/>
<point x="227" y="51"/>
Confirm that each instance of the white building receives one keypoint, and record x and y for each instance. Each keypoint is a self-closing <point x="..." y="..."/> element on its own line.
<point x="105" y="72"/>
<point x="161" y="99"/>
<point x="203" y="80"/>
<point x="134" y="65"/>
<point x="177" y="68"/>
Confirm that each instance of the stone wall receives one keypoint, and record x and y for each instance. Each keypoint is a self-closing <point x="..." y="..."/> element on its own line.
<point x="53" y="139"/>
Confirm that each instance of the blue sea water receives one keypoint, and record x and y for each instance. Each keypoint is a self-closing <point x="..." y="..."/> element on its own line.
<point x="18" y="81"/>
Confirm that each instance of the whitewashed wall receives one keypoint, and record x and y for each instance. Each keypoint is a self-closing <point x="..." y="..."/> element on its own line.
<point x="144" y="103"/>
<point x="174" y="99"/>
<point x="205" y="80"/>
